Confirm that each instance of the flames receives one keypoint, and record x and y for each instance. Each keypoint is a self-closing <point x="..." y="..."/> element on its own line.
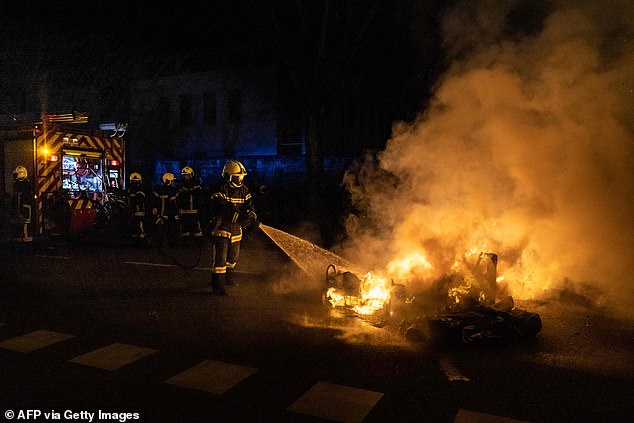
<point x="375" y="293"/>
<point x="474" y="276"/>
<point x="405" y="267"/>
<point x="372" y="295"/>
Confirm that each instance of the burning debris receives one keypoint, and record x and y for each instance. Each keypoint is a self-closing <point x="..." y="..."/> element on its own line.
<point x="471" y="322"/>
<point x="470" y="312"/>
<point x="460" y="306"/>
<point x="369" y="295"/>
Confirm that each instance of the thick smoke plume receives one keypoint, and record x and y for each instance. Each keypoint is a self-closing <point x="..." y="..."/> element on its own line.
<point x="526" y="150"/>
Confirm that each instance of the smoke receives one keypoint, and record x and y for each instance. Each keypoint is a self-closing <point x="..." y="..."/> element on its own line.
<point x="526" y="150"/>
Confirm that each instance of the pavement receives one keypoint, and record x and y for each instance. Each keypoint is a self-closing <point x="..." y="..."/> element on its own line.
<point x="126" y="333"/>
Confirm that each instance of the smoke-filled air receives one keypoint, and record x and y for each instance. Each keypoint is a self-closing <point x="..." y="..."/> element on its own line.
<point x="526" y="150"/>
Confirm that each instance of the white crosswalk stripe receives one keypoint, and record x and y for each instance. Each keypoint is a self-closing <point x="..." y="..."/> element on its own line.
<point x="34" y="340"/>
<point x="211" y="376"/>
<point x="323" y="400"/>
<point x="336" y="402"/>
<point x="113" y="357"/>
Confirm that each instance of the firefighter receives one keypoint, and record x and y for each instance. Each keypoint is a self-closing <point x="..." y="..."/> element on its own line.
<point x="22" y="201"/>
<point x="136" y="204"/>
<point x="188" y="201"/>
<point x="165" y="210"/>
<point x="232" y="212"/>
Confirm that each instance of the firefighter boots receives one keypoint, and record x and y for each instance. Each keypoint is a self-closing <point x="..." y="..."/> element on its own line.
<point x="218" y="284"/>
<point x="229" y="278"/>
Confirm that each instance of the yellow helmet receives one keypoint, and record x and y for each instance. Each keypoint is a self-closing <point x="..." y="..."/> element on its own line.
<point x="187" y="172"/>
<point x="167" y="178"/>
<point x="135" y="177"/>
<point x="20" y="173"/>
<point x="234" y="173"/>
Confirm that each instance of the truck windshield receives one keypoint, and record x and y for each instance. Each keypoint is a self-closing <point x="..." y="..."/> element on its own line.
<point x="82" y="174"/>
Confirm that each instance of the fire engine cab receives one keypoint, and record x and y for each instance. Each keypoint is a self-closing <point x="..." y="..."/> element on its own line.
<point x="77" y="166"/>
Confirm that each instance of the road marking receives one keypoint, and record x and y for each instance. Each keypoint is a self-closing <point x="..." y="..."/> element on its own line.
<point x="336" y="402"/>
<point x="452" y="373"/>
<point x="215" y="377"/>
<point x="52" y="257"/>
<point x="467" y="416"/>
<point x="113" y="356"/>
<point x="141" y="263"/>
<point x="34" y="340"/>
<point x="207" y="269"/>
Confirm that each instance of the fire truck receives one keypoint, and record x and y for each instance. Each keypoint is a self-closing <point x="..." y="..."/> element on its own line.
<point x="78" y="167"/>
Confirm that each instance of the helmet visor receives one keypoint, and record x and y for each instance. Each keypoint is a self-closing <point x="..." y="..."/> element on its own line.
<point x="236" y="180"/>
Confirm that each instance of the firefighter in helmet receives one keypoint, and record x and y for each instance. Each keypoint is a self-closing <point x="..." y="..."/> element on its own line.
<point x="165" y="210"/>
<point x="232" y="212"/>
<point x="188" y="200"/>
<point x="136" y="204"/>
<point x="22" y="201"/>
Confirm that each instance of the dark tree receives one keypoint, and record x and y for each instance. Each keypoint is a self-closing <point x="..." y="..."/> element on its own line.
<point x="317" y="43"/>
<point x="335" y="50"/>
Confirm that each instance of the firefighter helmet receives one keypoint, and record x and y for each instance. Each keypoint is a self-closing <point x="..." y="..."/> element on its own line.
<point x="135" y="177"/>
<point x="20" y="173"/>
<point x="167" y="178"/>
<point x="234" y="173"/>
<point x="187" y="172"/>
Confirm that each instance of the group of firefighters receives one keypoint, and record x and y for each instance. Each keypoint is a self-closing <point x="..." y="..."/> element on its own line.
<point x="171" y="207"/>
<point x="175" y="206"/>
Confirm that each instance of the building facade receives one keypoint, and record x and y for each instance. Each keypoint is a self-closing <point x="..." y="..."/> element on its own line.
<point x="222" y="113"/>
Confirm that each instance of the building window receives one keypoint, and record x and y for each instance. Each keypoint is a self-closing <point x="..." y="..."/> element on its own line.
<point x="186" y="110"/>
<point x="209" y="108"/>
<point x="234" y="106"/>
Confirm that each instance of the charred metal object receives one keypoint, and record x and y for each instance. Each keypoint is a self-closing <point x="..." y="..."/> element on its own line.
<point x="474" y="323"/>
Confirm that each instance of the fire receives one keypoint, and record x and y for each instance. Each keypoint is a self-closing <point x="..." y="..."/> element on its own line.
<point x="475" y="277"/>
<point x="339" y="299"/>
<point x="402" y="268"/>
<point x="372" y="295"/>
<point x="456" y="294"/>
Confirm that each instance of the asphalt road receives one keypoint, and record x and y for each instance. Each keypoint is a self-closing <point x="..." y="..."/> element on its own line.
<point x="89" y="326"/>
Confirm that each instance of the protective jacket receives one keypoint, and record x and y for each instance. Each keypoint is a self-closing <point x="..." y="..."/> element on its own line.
<point x="232" y="210"/>
<point x="136" y="199"/>
<point x="189" y="196"/>
<point x="164" y="201"/>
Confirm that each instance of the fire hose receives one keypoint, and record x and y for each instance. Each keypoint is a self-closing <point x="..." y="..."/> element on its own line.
<point x="174" y="260"/>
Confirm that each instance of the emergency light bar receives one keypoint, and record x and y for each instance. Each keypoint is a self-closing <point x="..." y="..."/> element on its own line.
<point x="118" y="129"/>
<point x="82" y="153"/>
